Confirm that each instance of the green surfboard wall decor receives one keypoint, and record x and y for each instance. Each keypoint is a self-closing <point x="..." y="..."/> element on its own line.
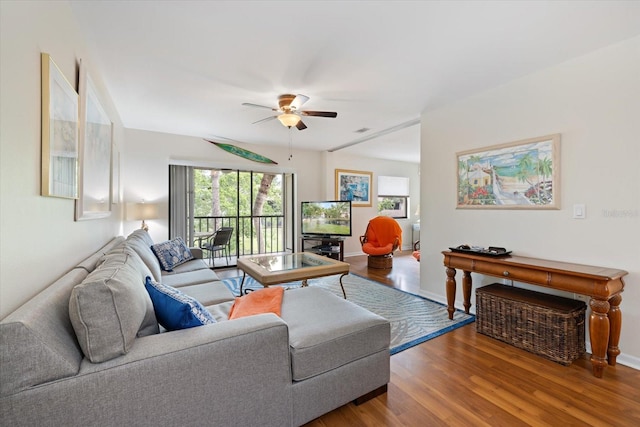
<point x="241" y="152"/>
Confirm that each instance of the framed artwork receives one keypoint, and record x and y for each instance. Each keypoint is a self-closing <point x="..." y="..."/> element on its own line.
<point x="59" y="133"/>
<point x="94" y="185"/>
<point x="354" y="186"/>
<point x="518" y="175"/>
<point x="115" y="176"/>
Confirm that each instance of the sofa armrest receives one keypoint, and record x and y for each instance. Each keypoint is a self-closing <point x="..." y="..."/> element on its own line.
<point x="196" y="252"/>
<point x="211" y="373"/>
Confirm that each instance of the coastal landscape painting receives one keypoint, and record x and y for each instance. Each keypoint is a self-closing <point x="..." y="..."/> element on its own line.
<point x="518" y="175"/>
<point x="354" y="186"/>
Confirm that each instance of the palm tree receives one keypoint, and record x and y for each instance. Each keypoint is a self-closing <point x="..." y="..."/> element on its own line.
<point x="525" y="165"/>
<point x="463" y="179"/>
<point x="545" y="169"/>
<point x="258" y="204"/>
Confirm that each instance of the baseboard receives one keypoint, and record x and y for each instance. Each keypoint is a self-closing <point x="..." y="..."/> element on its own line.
<point x="623" y="359"/>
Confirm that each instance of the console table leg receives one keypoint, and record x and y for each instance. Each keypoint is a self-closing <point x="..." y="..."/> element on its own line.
<point x="615" y="324"/>
<point x="451" y="291"/>
<point x="466" y="290"/>
<point x="599" y="331"/>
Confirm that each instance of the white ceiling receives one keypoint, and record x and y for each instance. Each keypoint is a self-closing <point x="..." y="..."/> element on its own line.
<point x="186" y="67"/>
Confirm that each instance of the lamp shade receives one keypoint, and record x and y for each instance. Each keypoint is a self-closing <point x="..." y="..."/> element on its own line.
<point x="148" y="210"/>
<point x="142" y="211"/>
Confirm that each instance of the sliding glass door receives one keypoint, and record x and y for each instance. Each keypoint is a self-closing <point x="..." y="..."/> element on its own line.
<point x="252" y="203"/>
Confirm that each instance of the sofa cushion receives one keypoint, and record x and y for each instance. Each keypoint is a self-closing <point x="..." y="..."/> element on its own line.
<point x="221" y="310"/>
<point x="176" y="310"/>
<point x="193" y="265"/>
<point x="119" y="251"/>
<point x="139" y="243"/>
<point x="262" y="301"/>
<point x="108" y="309"/>
<point x="326" y="332"/>
<point x="92" y="261"/>
<point x="209" y="293"/>
<point x="143" y="235"/>
<point x="188" y="278"/>
<point x="125" y="254"/>
<point x="172" y="253"/>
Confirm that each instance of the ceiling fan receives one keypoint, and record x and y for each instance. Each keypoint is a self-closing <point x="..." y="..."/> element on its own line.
<point x="290" y="113"/>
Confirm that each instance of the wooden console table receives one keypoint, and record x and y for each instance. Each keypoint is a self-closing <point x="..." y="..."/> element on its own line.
<point x="603" y="285"/>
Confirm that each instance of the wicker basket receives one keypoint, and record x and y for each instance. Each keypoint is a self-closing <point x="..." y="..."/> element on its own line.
<point x="547" y="325"/>
<point x="380" y="261"/>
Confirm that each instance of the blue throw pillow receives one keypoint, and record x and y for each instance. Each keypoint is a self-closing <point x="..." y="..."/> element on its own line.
<point x="172" y="253"/>
<point x="176" y="310"/>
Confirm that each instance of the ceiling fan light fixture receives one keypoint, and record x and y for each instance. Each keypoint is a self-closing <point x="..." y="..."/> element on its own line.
<point x="288" y="119"/>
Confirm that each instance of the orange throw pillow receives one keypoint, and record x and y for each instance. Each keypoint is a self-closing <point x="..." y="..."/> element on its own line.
<point x="267" y="300"/>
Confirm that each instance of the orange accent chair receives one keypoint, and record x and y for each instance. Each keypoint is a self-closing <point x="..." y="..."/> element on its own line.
<point x="382" y="237"/>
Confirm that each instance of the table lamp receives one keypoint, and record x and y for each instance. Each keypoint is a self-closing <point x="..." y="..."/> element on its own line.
<point x="142" y="211"/>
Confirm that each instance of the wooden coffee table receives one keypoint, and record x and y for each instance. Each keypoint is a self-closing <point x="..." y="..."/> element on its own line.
<point x="282" y="268"/>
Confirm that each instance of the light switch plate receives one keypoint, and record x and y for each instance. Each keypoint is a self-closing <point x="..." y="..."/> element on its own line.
<point x="579" y="211"/>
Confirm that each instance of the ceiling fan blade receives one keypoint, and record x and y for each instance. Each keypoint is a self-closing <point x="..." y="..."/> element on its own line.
<point x="248" y="104"/>
<point x="298" y="101"/>
<point x="331" y="114"/>
<point x="265" y="119"/>
<point x="301" y="125"/>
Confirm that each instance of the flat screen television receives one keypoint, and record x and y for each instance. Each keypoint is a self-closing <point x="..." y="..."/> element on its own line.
<point x="326" y="218"/>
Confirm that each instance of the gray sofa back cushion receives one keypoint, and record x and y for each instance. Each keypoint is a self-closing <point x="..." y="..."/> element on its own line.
<point x="108" y="309"/>
<point x="38" y="343"/>
<point x="125" y="254"/>
<point x="141" y="242"/>
<point x="91" y="262"/>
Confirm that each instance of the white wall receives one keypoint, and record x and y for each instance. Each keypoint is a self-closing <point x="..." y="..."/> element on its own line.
<point x="148" y="154"/>
<point x="39" y="239"/>
<point x="594" y="102"/>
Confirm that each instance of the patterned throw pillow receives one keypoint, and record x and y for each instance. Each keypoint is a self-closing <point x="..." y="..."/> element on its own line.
<point x="172" y="253"/>
<point x="175" y="310"/>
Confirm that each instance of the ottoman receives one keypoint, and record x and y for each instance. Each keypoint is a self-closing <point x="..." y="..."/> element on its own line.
<point x="339" y="351"/>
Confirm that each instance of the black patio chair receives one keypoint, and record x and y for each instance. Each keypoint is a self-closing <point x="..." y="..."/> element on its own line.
<point x="218" y="242"/>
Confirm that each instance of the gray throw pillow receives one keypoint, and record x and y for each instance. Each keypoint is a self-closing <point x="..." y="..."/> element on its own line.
<point x="108" y="309"/>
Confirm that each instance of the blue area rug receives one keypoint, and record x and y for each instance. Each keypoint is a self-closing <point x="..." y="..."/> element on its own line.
<point x="414" y="319"/>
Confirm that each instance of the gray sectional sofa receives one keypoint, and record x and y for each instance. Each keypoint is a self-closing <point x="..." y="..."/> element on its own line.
<point x="88" y="351"/>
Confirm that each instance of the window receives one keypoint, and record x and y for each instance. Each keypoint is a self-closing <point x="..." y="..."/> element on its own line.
<point x="393" y="196"/>
<point x="393" y="206"/>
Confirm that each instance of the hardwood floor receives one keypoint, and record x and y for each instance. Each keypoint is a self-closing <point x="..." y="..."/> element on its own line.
<point x="467" y="379"/>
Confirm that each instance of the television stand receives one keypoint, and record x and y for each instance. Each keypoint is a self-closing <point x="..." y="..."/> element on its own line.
<point x="332" y="247"/>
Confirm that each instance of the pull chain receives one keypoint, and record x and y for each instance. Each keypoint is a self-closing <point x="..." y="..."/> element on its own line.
<point x="290" y="144"/>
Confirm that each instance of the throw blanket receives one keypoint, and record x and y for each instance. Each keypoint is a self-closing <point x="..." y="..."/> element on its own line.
<point x="268" y="300"/>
